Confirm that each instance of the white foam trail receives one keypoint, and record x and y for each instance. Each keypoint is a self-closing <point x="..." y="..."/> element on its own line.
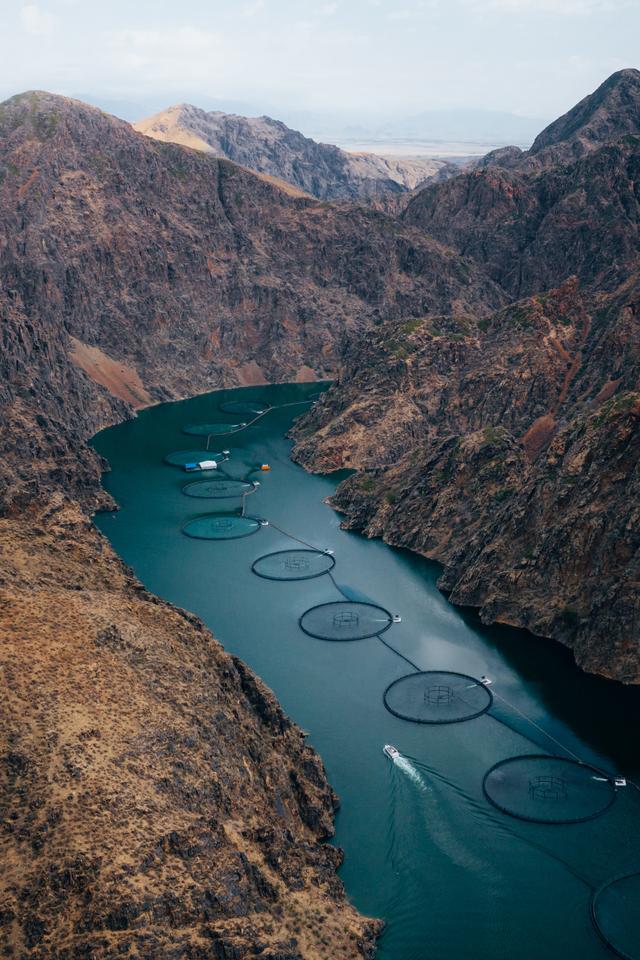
<point x="410" y="771"/>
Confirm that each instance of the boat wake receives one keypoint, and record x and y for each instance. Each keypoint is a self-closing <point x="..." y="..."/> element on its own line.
<point x="405" y="766"/>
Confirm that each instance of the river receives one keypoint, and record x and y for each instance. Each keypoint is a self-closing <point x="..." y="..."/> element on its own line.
<point x="453" y="876"/>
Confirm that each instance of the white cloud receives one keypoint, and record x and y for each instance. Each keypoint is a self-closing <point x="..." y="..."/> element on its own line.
<point x="165" y="56"/>
<point x="251" y="9"/>
<point x="559" y="7"/>
<point x="36" y="21"/>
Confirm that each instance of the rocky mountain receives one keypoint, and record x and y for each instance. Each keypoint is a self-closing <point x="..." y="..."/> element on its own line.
<point x="135" y="271"/>
<point x="154" y="799"/>
<point x="269" y="147"/>
<point x="507" y="447"/>
<point x="568" y="206"/>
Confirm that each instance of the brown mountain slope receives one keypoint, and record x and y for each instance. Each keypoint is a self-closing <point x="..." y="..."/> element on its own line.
<point x="270" y="147"/>
<point x="605" y="116"/>
<point x="508" y="450"/>
<point x="153" y="799"/>
<point x="185" y="271"/>
<point x="570" y="206"/>
<point x="509" y="446"/>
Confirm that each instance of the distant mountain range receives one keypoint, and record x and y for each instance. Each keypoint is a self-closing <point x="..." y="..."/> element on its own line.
<point x="491" y="127"/>
<point x="271" y="148"/>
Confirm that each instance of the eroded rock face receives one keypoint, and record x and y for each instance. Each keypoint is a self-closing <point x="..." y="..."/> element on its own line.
<point x="567" y="206"/>
<point x="174" y="273"/>
<point x="270" y="147"/>
<point x="507" y="449"/>
<point x="154" y="799"/>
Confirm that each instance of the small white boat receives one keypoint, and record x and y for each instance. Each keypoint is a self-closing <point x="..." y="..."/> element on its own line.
<point x="392" y="752"/>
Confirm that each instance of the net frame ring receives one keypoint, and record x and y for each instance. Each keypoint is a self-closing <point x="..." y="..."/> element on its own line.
<point x="222" y="523"/>
<point x="228" y="488"/>
<point x="597" y="921"/>
<point x="256" y="407"/>
<point x="438" y="694"/>
<point x="340" y="619"/>
<point x="328" y="558"/>
<point x="556" y="792"/>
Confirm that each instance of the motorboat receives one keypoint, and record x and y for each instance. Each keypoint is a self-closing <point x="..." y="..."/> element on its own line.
<point x="392" y="752"/>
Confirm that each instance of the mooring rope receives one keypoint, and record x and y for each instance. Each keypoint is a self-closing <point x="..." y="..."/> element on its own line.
<point x="392" y="649"/>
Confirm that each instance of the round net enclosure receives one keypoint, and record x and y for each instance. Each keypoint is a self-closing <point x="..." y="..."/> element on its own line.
<point x="435" y="696"/>
<point x="211" y="429"/>
<point x="220" y="526"/>
<point x="545" y="789"/>
<point x="293" y="565"/>
<point x="179" y="457"/>
<point x="219" y="488"/>
<point x="345" y="620"/>
<point x="248" y="407"/>
<point x="615" y="911"/>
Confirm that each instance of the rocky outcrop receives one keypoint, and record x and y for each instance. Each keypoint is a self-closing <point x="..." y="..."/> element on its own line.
<point x="507" y="447"/>
<point x="568" y="206"/>
<point x="269" y="147"/>
<point x="185" y="273"/>
<point x="509" y="451"/>
<point x="154" y="799"/>
<point x="605" y="116"/>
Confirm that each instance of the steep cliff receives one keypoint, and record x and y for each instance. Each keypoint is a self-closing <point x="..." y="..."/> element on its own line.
<point x="507" y="447"/>
<point x="157" y="272"/>
<point x="154" y="801"/>
<point x="568" y="206"/>
<point x="270" y="147"/>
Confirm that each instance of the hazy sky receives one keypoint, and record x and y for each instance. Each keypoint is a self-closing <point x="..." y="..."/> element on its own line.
<point x="534" y="57"/>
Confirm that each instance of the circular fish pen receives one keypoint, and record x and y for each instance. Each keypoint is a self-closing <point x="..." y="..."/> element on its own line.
<point x="345" y="620"/>
<point x="249" y="407"/>
<point x="615" y="911"/>
<point x="220" y="526"/>
<point x="211" y="429"/>
<point x="293" y="565"/>
<point x="178" y="458"/>
<point x="435" y="696"/>
<point x="219" y="488"/>
<point x="546" y="789"/>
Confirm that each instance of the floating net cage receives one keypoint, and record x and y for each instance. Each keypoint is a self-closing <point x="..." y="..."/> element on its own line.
<point x="219" y="488"/>
<point x="545" y="789"/>
<point x="293" y="565"/>
<point x="220" y="526"/>
<point x="211" y="429"/>
<point x="434" y="696"/>
<point x="345" y="620"/>
<point x="179" y="457"/>
<point x="615" y="911"/>
<point x="249" y="407"/>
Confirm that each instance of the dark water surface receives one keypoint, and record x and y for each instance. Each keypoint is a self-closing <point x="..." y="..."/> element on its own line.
<point x="452" y="876"/>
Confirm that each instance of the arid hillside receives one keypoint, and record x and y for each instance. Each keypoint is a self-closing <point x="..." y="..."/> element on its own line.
<point x="567" y="206"/>
<point x="137" y="270"/>
<point x="508" y="447"/>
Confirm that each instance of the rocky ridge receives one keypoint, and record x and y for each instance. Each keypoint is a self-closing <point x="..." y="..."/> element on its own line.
<point x="183" y="272"/>
<point x="507" y="447"/>
<point x="269" y="147"/>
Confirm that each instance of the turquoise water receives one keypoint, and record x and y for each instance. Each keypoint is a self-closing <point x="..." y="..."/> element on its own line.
<point x="452" y="876"/>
